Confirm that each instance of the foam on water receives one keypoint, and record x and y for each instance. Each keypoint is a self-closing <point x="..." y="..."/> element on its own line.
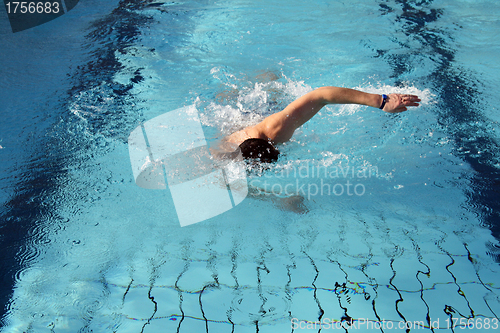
<point x="246" y="102"/>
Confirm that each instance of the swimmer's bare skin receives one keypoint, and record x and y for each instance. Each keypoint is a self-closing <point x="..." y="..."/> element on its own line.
<point x="279" y="127"/>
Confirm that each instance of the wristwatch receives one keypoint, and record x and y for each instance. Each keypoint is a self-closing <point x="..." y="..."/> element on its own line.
<point x="383" y="101"/>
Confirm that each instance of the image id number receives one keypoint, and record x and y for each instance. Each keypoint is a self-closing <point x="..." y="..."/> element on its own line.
<point x="32" y="7"/>
<point x="473" y="323"/>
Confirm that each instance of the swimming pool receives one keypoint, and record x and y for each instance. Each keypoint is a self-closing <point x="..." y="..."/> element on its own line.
<point x="85" y="249"/>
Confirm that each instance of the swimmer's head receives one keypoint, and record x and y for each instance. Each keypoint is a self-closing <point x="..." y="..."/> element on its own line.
<point x="260" y="150"/>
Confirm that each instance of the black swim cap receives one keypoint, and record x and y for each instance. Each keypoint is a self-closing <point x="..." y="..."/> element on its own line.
<point x="259" y="149"/>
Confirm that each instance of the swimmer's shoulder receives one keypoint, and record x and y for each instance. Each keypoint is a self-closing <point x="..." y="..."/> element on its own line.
<point x="224" y="149"/>
<point x="228" y="146"/>
<point x="238" y="137"/>
<point x="251" y="132"/>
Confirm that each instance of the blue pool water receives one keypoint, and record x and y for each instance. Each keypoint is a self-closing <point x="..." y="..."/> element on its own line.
<point x="85" y="249"/>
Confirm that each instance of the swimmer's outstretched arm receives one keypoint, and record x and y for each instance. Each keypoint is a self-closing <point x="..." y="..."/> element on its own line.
<point x="279" y="127"/>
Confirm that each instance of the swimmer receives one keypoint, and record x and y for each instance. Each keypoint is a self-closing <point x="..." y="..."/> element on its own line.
<point x="259" y="141"/>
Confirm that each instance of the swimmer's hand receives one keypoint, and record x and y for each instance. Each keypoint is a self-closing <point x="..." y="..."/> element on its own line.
<point x="398" y="102"/>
